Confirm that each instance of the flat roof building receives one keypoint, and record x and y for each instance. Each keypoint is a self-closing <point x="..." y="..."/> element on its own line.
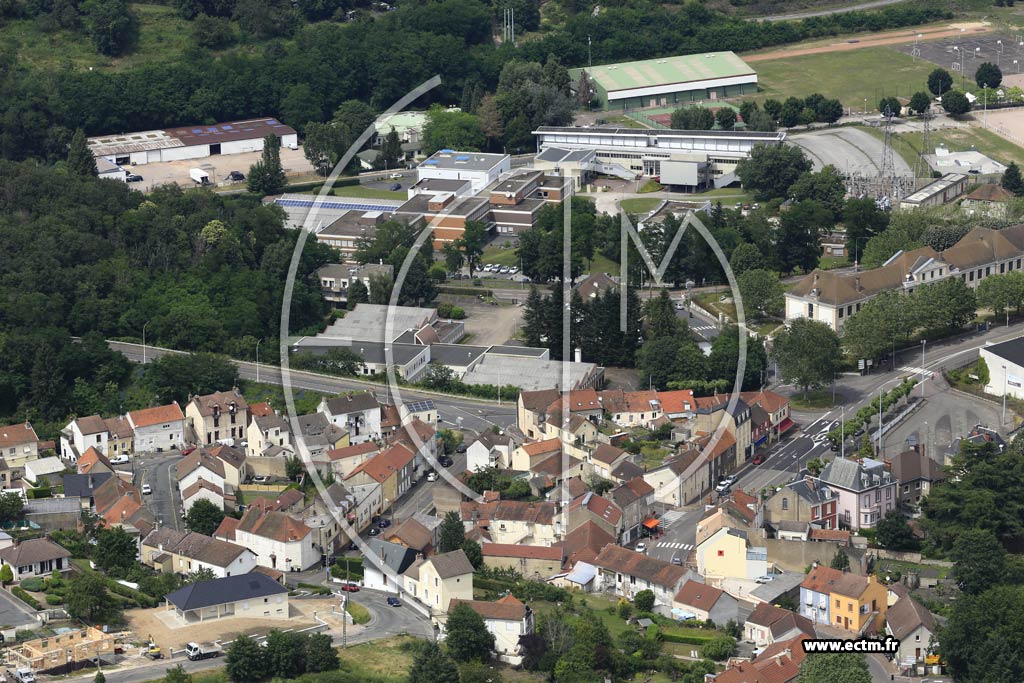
<point x="481" y="169"/>
<point x="669" y="80"/>
<point x="190" y="142"/>
<point x="936" y="193"/>
<point x="690" y="159"/>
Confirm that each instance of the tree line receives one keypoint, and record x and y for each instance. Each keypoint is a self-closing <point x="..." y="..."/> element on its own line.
<point x="305" y="69"/>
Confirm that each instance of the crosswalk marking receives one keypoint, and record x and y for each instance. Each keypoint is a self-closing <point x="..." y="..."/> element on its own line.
<point x="671" y="517"/>
<point x="911" y="368"/>
<point x="702" y="328"/>
<point x="675" y="546"/>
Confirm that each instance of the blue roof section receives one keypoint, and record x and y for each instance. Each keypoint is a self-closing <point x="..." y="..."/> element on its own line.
<point x="335" y="204"/>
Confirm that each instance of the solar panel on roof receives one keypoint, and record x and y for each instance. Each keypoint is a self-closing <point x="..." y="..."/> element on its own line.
<point x="228" y="126"/>
<point x="272" y="122"/>
<point x="197" y="131"/>
<point x="461" y="158"/>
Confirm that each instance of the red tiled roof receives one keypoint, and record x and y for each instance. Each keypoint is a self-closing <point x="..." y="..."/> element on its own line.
<point x="501" y="610"/>
<point x="90" y="459"/>
<point x="599" y="506"/>
<point x="147" y="417"/>
<point x="386" y="463"/>
<point x="227" y="528"/>
<point x="529" y="552"/>
<point x="542" y="447"/>
<point x="769" y="400"/>
<point x="201" y="484"/>
<point x="821" y="579"/>
<point x="15" y="435"/>
<point x="274" y="525"/>
<point x="353" y="451"/>
<point x="509" y="510"/>
<point x="607" y="453"/>
<point x="262" y="409"/>
<point x="830" y="535"/>
<point x="584" y="543"/>
<point x="631" y="563"/>
<point x="673" y="402"/>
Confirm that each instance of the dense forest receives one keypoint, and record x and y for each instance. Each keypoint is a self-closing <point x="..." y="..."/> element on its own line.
<point x="199" y="271"/>
<point x="296" y="66"/>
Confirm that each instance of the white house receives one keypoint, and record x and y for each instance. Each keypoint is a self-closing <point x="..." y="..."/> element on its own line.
<point x="395" y="560"/>
<point x="358" y="413"/>
<point x="35" y="557"/>
<point x="279" y="541"/>
<point x="265" y="431"/>
<point x="437" y="580"/>
<point x="18" y="444"/>
<point x="480" y="169"/>
<point x="200" y="465"/>
<point x="202" y="490"/>
<point x="507" y="620"/>
<point x="80" y="434"/>
<point x="169" y="550"/>
<point x="489" y="450"/>
<point x="625" y="573"/>
<point x="158" y="429"/>
<point x="37" y="469"/>
<point x="910" y="622"/>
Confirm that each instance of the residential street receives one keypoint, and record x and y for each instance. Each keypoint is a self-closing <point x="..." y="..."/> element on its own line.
<point x="165" y="503"/>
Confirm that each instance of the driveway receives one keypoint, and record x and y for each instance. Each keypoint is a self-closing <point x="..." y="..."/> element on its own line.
<point x="13" y="612"/>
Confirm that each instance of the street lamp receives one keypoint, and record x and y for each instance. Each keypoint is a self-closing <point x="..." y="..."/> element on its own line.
<point x="144" y="342"/>
<point x="258" y="359"/>
<point x="984" y="104"/>
<point x="1003" y="420"/>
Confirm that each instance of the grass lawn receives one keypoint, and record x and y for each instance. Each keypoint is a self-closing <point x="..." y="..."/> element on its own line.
<point x="505" y="256"/>
<point x="366" y="192"/>
<point x="360" y="614"/>
<point x="640" y="205"/>
<point x="651" y="186"/>
<point x="305" y="401"/>
<point x="623" y="122"/>
<point x="602" y="264"/>
<point x="908" y="145"/>
<point x="851" y="76"/>
<point x="709" y="301"/>
<point x="813" y="400"/>
<point x="163" y="36"/>
<point x="830" y="262"/>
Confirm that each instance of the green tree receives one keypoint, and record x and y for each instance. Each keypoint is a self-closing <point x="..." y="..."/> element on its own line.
<point x="660" y="318"/>
<point x="88" y="599"/>
<point x="468" y="638"/>
<point x="644" y="601"/>
<point x="430" y="665"/>
<point x="834" y="668"/>
<point x="800" y="230"/>
<point x="175" y="377"/>
<point x="452" y="130"/>
<point x="266" y="176"/>
<point x="452" y="533"/>
<point x="99" y="678"/>
<point x="825" y="186"/>
<point x="939" y="82"/>
<point x="761" y="292"/>
<point x="988" y="75"/>
<point x="920" y="102"/>
<point x="115" y="549"/>
<point x="693" y="118"/>
<point x="955" y="103"/>
<point x="881" y="247"/>
<point x="770" y="170"/>
<point x="830" y="111"/>
<point x="357" y="294"/>
<point x="245" y="661"/>
<point x="725" y="117"/>
<point x="112" y="25"/>
<point x="81" y="162"/>
<point x="323" y="145"/>
<point x="872" y="331"/>
<point x="204" y="517"/>
<point x="285" y="653"/>
<point x="380" y="288"/>
<point x="177" y="675"/>
<point x="989" y="622"/>
<point x="478" y="672"/>
<point x="320" y="654"/>
<point x="808" y="353"/>
<point x="841" y="561"/>
<point x="889" y="106"/>
<point x="893" y="532"/>
<point x="6" y="574"/>
<point x="655" y="360"/>
<point x="300" y="106"/>
<point x="1012" y="181"/>
<point x="391" y="153"/>
<point x="863" y="220"/>
<point x="718" y="649"/>
<point x="744" y="257"/>
<point x="200" y="575"/>
<point x="11" y="507"/>
<point x="474" y="553"/>
<point x="491" y="124"/>
<point x="979" y="561"/>
<point x="472" y="243"/>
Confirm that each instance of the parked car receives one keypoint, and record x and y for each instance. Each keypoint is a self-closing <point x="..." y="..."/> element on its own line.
<point x="119" y="459"/>
<point x="395" y="187"/>
<point x="680" y="306"/>
<point x="764" y="579"/>
<point x="133" y="178"/>
<point x="146" y="489"/>
<point x="374" y="531"/>
<point x="759" y="458"/>
<point x="395" y="176"/>
<point x="446" y="461"/>
<point x="677" y="560"/>
<point x="641" y="547"/>
<point x="236" y="175"/>
<point x="461" y="448"/>
<point x="394" y="602"/>
<point x="504" y="270"/>
<point x="722" y="487"/>
<point x="384" y="523"/>
<point x="513" y="269"/>
<point x="731" y="479"/>
<point x="261" y="479"/>
<point x="431" y="476"/>
<point x="188" y="450"/>
<point x="350" y="587"/>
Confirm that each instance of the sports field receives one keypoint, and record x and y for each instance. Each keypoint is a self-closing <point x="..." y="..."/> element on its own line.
<point x="855" y="77"/>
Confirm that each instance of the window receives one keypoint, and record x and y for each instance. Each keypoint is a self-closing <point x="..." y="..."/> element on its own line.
<point x="837" y="603"/>
<point x="785" y="503"/>
<point x="917" y="638"/>
<point x="971" y="276"/>
<point x="846" y="516"/>
<point x="906" y="488"/>
<point x="840" y="312"/>
<point x="888" y="493"/>
<point x="1002" y="267"/>
<point x="878" y="496"/>
<point x="849" y="607"/>
<point x="867" y="500"/>
<point x="810" y="310"/>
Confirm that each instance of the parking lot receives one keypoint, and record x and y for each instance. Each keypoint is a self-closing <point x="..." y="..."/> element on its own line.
<point x="999" y="48"/>
<point x="944" y="418"/>
<point x="217" y="167"/>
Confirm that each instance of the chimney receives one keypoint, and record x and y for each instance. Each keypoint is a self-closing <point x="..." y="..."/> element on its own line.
<point x="858" y="282"/>
<point x="579" y="355"/>
<point x="90" y="482"/>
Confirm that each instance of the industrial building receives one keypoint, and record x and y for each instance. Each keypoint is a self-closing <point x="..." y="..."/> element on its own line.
<point x="681" y="159"/>
<point x="669" y="81"/>
<point x="190" y="142"/>
<point x="480" y="169"/>
<point x="936" y="193"/>
<point x="1005" y="363"/>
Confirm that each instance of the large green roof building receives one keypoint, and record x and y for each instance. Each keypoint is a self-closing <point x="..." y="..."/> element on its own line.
<point x="670" y="80"/>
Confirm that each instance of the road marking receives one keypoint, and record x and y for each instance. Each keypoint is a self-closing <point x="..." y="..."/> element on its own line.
<point x="675" y="546"/>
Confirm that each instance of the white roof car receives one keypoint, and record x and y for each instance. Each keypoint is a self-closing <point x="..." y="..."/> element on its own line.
<point x="641" y="547"/>
<point x="146" y="489"/>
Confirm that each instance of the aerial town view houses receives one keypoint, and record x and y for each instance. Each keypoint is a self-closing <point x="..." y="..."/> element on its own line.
<point x="303" y="385"/>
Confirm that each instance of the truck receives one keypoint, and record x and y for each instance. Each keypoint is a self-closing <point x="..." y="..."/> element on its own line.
<point x="196" y="651"/>
<point x="25" y="676"/>
<point x="199" y="176"/>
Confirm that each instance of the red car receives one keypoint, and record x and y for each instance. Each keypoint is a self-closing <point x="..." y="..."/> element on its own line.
<point x="187" y="451"/>
<point x="350" y="587"/>
<point x="759" y="458"/>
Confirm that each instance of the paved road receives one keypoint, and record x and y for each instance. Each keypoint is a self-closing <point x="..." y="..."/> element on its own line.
<point x="475" y="414"/>
<point x="825" y="12"/>
<point x="13" y="612"/>
<point x="165" y="501"/>
<point x="680" y="533"/>
<point x="850" y="150"/>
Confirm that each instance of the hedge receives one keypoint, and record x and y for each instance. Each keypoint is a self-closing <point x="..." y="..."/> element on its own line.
<point x="140" y="598"/>
<point x="25" y="597"/>
<point x="34" y="584"/>
<point x="464" y="291"/>
<point x="670" y="637"/>
<point x="54" y="599"/>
